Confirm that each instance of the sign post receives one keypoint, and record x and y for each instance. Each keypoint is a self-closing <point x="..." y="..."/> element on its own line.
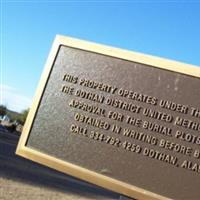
<point x="121" y="120"/>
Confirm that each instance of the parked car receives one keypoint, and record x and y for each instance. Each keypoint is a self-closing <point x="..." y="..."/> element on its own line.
<point x="3" y="129"/>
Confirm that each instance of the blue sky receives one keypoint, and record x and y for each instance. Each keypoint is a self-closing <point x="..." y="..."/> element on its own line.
<point x="169" y="29"/>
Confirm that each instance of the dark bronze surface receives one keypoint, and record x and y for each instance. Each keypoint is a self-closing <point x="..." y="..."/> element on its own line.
<point x="166" y="171"/>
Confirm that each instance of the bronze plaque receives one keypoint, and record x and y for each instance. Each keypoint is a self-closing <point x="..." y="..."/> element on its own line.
<point x="124" y="121"/>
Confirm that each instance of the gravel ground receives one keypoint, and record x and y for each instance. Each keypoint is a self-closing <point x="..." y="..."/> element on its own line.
<point x="15" y="190"/>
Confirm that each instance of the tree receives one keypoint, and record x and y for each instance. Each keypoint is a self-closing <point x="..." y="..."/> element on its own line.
<point x="3" y="110"/>
<point x="24" y="115"/>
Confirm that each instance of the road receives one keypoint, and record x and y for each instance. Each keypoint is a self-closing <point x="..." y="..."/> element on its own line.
<point x="21" y="179"/>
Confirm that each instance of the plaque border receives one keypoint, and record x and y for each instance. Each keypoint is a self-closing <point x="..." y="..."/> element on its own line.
<point x="72" y="169"/>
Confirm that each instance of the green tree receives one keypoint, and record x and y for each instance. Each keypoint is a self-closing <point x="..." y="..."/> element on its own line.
<point x="24" y="115"/>
<point x="3" y="110"/>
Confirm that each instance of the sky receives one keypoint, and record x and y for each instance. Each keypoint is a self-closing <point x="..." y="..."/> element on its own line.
<point x="169" y="29"/>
